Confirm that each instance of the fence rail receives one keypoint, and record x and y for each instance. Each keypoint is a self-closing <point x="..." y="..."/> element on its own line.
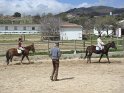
<point x="73" y="45"/>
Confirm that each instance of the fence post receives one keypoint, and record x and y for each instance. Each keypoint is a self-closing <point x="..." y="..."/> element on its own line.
<point x="123" y="43"/>
<point x="84" y="45"/>
<point x="117" y="41"/>
<point x="74" y="46"/>
<point x="48" y="46"/>
<point x="24" y="37"/>
<point x="91" y="38"/>
<point x="62" y="40"/>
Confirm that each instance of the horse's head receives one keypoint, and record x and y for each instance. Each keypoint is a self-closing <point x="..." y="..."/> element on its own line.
<point x="32" y="48"/>
<point x="113" y="45"/>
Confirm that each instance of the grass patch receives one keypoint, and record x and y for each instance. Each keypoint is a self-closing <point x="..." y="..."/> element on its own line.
<point x="39" y="53"/>
<point x="117" y="56"/>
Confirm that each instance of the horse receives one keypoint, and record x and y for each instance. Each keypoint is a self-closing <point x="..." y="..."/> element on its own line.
<point x="13" y="52"/>
<point x="92" y="49"/>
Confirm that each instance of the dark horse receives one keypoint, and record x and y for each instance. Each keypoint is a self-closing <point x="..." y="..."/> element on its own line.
<point x="92" y="49"/>
<point x="13" y="52"/>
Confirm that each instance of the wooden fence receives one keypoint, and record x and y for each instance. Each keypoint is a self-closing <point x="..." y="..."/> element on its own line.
<point x="73" y="45"/>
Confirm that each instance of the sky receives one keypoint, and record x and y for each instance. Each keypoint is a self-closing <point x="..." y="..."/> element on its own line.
<point x="33" y="7"/>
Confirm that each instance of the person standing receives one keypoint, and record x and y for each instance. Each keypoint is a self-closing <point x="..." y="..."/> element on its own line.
<point x="100" y="43"/>
<point x="55" y="55"/>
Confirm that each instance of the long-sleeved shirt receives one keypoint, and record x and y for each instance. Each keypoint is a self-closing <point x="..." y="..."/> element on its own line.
<point x="55" y="53"/>
<point x="19" y="44"/>
<point x="99" y="42"/>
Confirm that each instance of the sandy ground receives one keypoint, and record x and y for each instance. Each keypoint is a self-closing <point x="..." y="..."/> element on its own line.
<point x="75" y="76"/>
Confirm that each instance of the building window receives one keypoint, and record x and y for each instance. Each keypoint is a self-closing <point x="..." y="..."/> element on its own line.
<point x="24" y="28"/>
<point x="33" y="28"/>
<point x="15" y="27"/>
<point x="6" y="27"/>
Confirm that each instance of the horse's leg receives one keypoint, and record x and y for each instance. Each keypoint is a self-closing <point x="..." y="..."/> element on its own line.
<point x="87" y="58"/>
<point x="7" y="60"/>
<point x="107" y="57"/>
<point x="90" y="57"/>
<point x="28" y="59"/>
<point x="100" y="57"/>
<point x="22" y="58"/>
<point x="7" y="57"/>
<point x="11" y="58"/>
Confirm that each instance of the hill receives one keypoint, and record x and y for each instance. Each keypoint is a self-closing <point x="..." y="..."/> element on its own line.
<point x="95" y="11"/>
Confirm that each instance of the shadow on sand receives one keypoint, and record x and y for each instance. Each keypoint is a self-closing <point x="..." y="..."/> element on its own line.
<point x="24" y="63"/>
<point x="106" y="62"/>
<point x="66" y="79"/>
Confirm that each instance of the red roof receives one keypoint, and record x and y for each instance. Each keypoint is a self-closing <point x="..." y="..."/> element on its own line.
<point x="66" y="24"/>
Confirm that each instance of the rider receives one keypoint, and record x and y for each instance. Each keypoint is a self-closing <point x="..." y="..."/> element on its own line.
<point x="20" y="44"/>
<point x="99" y="42"/>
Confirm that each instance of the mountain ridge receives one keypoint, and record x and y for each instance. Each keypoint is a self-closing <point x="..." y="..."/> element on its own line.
<point x="95" y="10"/>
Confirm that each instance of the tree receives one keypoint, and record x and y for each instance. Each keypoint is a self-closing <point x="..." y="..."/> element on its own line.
<point x="36" y="19"/>
<point x="50" y="26"/>
<point x="105" y="23"/>
<point x="17" y="14"/>
<point x="99" y="24"/>
<point x="87" y="24"/>
<point x="110" y="23"/>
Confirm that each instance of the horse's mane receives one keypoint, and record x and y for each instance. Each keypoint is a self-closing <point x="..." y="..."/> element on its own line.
<point x="28" y="46"/>
<point x="108" y="44"/>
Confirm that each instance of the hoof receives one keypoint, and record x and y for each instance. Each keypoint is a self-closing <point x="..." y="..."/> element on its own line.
<point x="56" y="80"/>
<point x="51" y="78"/>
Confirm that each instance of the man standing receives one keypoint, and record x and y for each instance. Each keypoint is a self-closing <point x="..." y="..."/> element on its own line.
<point x="55" y="55"/>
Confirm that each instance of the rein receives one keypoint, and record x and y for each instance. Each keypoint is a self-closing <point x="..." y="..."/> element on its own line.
<point x="28" y="48"/>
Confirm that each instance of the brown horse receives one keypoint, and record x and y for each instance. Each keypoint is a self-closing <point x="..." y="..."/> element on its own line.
<point x="13" y="52"/>
<point x="92" y="49"/>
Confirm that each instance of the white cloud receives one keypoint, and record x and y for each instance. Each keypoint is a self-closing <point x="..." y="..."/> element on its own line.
<point x="83" y="5"/>
<point x="32" y="7"/>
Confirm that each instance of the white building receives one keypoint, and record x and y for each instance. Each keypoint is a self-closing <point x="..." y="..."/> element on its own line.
<point x="103" y="32"/>
<point x="69" y="31"/>
<point x="118" y="33"/>
<point x="19" y="28"/>
<point x="120" y="30"/>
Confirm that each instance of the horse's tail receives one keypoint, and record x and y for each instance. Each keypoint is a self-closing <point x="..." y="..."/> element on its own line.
<point x="86" y="53"/>
<point x="7" y="56"/>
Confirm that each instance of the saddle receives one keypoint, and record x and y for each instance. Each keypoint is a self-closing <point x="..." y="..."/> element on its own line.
<point x="98" y="48"/>
<point x="19" y="51"/>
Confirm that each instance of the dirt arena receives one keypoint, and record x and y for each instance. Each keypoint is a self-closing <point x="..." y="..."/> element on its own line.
<point x="75" y="76"/>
